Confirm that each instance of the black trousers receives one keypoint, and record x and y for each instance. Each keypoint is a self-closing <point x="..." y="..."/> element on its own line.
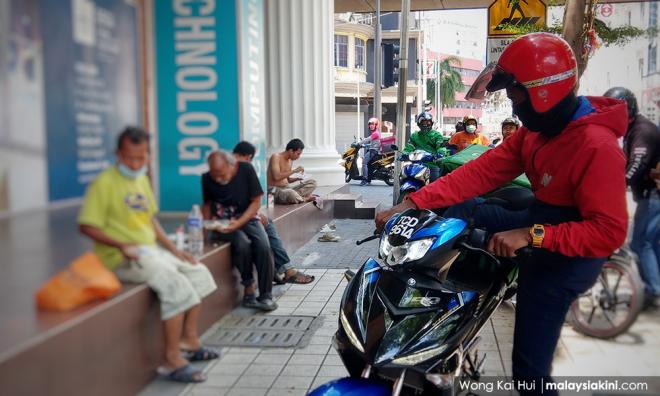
<point x="548" y="283"/>
<point x="250" y="245"/>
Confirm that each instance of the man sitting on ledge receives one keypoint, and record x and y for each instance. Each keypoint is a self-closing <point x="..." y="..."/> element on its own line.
<point x="286" y="189"/>
<point x="119" y="215"/>
<point x="284" y="271"/>
<point x="232" y="194"/>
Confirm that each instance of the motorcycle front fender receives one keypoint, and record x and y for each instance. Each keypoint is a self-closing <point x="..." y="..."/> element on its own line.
<point x="352" y="387"/>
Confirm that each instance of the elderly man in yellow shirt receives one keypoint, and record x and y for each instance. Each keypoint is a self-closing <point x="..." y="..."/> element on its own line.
<point x="118" y="214"/>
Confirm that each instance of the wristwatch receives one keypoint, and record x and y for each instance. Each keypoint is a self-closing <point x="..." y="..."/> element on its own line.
<point x="537" y="233"/>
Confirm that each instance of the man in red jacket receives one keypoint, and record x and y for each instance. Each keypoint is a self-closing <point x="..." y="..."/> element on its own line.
<point x="568" y="149"/>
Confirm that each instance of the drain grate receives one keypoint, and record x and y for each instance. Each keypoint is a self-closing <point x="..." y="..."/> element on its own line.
<point x="261" y="331"/>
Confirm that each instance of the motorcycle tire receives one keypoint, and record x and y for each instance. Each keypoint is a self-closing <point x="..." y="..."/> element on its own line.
<point x="603" y="298"/>
<point x="389" y="180"/>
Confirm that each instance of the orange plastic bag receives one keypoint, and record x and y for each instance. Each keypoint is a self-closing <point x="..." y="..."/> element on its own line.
<point x="85" y="280"/>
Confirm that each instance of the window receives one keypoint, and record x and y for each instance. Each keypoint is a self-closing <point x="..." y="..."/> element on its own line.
<point x="653" y="14"/>
<point x="341" y="50"/>
<point x="360" y="50"/>
<point x="653" y="58"/>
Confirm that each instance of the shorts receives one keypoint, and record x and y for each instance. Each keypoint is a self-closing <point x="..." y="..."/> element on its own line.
<point x="179" y="284"/>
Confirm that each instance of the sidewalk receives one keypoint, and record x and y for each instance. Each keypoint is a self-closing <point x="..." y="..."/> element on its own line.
<point x="296" y="371"/>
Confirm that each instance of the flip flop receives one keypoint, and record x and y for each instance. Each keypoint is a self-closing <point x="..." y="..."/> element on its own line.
<point x="300" y="278"/>
<point x="201" y="355"/>
<point x="186" y="374"/>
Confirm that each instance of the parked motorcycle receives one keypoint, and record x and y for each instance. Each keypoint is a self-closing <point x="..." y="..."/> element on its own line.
<point x="413" y="322"/>
<point x="380" y="168"/>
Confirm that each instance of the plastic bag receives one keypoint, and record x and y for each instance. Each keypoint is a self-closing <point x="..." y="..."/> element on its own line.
<point x="86" y="279"/>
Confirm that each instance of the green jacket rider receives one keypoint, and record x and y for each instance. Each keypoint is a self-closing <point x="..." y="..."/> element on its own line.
<point x="427" y="139"/>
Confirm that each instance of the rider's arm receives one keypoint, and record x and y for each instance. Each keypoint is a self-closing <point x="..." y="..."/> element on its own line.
<point x="600" y="196"/>
<point x="491" y="170"/>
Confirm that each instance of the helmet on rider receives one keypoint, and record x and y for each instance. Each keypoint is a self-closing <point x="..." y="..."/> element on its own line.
<point x="511" y="121"/>
<point x="425" y="121"/>
<point x="539" y="72"/>
<point x="460" y="127"/>
<point x="626" y="95"/>
<point x="470" y="123"/>
<point x="374" y="124"/>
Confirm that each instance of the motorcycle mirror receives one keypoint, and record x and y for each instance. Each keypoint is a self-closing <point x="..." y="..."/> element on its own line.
<point x="394" y="147"/>
<point x="496" y="141"/>
<point x="511" y="198"/>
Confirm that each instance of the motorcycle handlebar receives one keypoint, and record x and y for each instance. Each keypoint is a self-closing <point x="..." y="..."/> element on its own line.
<point x="376" y="235"/>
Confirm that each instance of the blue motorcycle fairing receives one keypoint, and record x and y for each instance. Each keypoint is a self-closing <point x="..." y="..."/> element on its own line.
<point x="352" y="387"/>
<point x="444" y="231"/>
<point x="411" y="185"/>
<point x="367" y="278"/>
<point x="412" y="169"/>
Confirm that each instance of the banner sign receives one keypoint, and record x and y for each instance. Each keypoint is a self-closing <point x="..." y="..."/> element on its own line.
<point x="91" y="87"/>
<point x="514" y="12"/>
<point x="203" y="73"/>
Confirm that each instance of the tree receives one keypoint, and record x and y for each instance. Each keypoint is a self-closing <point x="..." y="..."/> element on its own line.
<point x="451" y="82"/>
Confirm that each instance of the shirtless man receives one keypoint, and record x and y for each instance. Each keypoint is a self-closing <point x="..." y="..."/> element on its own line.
<point x="286" y="189"/>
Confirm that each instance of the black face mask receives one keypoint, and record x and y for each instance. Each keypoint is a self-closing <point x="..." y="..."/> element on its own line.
<point x="550" y="123"/>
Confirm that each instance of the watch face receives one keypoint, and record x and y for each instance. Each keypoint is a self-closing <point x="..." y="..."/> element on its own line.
<point x="538" y="232"/>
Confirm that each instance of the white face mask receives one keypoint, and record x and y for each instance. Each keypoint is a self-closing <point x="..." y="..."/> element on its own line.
<point x="471" y="129"/>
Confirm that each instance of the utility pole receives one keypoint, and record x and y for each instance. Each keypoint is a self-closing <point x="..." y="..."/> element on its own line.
<point x="378" y="67"/>
<point x="401" y="94"/>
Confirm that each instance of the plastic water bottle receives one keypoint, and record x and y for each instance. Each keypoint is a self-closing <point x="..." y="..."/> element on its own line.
<point x="195" y="232"/>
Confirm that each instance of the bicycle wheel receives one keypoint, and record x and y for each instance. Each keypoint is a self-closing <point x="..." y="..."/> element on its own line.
<point x="613" y="303"/>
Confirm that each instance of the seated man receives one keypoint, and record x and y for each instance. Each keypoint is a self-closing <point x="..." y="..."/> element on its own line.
<point x="119" y="215"/>
<point x="284" y="271"/>
<point x="232" y="192"/>
<point x="286" y="189"/>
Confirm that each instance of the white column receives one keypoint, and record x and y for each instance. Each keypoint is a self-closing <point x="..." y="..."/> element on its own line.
<point x="300" y="83"/>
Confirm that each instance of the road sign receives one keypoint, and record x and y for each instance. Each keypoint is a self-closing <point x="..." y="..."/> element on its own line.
<point x="514" y="12"/>
<point x="606" y="10"/>
<point x="495" y="47"/>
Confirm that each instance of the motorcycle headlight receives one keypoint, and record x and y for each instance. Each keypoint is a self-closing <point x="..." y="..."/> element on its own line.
<point x="410" y="251"/>
<point x="423" y="174"/>
<point x="350" y="333"/>
<point x="420" y="356"/>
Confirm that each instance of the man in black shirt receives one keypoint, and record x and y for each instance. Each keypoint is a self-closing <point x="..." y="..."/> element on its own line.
<point x="642" y="148"/>
<point x="232" y="192"/>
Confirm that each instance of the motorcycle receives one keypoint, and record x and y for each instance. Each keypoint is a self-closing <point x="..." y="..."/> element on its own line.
<point x="415" y="174"/>
<point x="410" y="325"/>
<point x="380" y="168"/>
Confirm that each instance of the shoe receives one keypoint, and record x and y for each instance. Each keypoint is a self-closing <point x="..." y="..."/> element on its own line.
<point x="329" y="237"/>
<point x="363" y="183"/>
<point x="267" y="304"/>
<point x="318" y="202"/>
<point x="651" y="303"/>
<point x="328" y="228"/>
<point x="278" y="279"/>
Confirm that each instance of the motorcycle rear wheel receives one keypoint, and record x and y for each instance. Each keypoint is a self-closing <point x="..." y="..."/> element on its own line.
<point x="612" y="305"/>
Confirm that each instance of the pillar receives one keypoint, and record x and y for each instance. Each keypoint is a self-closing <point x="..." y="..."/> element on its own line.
<point x="300" y="84"/>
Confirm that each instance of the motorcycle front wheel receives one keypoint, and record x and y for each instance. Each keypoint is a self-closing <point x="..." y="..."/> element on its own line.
<point x="389" y="180"/>
<point x="612" y="304"/>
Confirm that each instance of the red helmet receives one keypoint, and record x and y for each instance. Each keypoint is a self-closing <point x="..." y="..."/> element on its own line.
<point x="542" y="63"/>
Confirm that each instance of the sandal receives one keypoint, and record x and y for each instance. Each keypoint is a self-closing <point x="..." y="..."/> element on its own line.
<point x="300" y="278"/>
<point x="329" y="237"/>
<point x="186" y="374"/>
<point x="201" y="355"/>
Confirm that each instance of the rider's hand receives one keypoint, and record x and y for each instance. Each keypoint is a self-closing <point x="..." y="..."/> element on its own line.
<point x="505" y="244"/>
<point x="382" y="217"/>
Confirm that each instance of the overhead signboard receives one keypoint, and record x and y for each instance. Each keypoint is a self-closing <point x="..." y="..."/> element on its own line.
<point x="514" y="12"/>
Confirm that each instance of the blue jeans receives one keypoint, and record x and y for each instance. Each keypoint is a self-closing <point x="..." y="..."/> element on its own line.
<point x="646" y="241"/>
<point x="281" y="259"/>
<point x="368" y="156"/>
<point x="548" y="283"/>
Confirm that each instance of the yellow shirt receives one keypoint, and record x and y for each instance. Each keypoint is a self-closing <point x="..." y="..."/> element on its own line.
<point x="122" y="208"/>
